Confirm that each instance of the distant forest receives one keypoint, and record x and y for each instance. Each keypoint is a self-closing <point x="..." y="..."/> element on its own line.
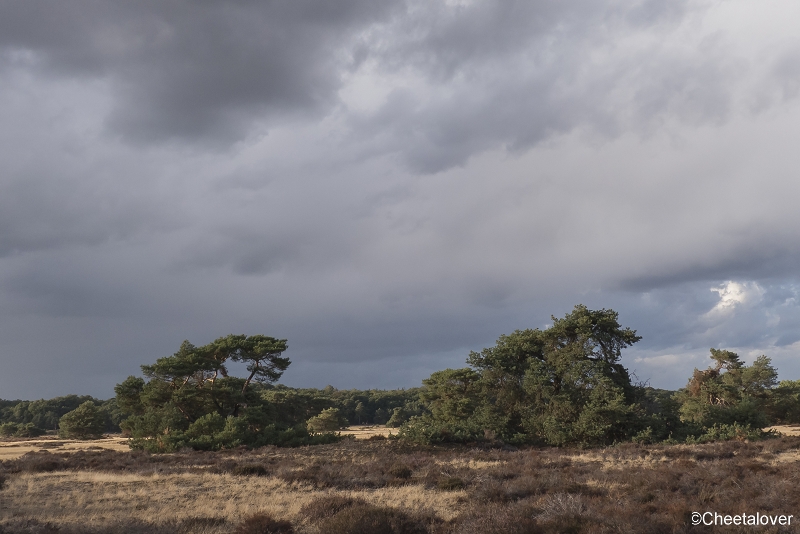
<point x="561" y="386"/>
<point x="369" y="407"/>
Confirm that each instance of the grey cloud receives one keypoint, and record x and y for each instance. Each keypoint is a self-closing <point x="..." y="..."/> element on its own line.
<point x="507" y="74"/>
<point x="60" y="287"/>
<point x="751" y="260"/>
<point x="514" y="75"/>
<point x="189" y="70"/>
<point x="40" y="213"/>
<point x="787" y="72"/>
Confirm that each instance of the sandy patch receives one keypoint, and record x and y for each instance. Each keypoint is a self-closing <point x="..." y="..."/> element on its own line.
<point x="786" y="430"/>
<point x="10" y="450"/>
<point x="364" y="431"/>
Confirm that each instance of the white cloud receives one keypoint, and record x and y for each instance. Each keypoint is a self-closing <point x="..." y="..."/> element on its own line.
<point x="732" y="294"/>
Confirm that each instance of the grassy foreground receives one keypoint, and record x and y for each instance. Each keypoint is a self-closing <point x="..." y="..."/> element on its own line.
<point x="386" y="486"/>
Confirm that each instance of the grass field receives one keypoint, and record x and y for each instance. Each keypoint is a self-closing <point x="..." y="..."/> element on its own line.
<point x="364" y="486"/>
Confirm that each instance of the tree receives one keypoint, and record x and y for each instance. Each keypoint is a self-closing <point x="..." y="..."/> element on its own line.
<point x="360" y="411"/>
<point x="381" y="416"/>
<point x="452" y="394"/>
<point x="729" y="392"/>
<point x="194" y="383"/>
<point x="558" y="386"/>
<point x="329" y="420"/>
<point x="784" y="404"/>
<point x="261" y="354"/>
<point x="86" y="421"/>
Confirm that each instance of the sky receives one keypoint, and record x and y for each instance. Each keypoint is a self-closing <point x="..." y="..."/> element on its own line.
<point x="390" y="184"/>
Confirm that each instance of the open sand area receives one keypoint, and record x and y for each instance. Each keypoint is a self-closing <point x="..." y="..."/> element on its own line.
<point x="14" y="448"/>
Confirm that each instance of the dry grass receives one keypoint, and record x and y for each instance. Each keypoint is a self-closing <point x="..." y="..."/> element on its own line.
<point x="405" y="489"/>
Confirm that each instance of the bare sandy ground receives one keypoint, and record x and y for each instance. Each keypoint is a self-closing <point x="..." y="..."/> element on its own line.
<point x="367" y="431"/>
<point x="12" y="449"/>
<point x="786" y="430"/>
<point x="15" y="448"/>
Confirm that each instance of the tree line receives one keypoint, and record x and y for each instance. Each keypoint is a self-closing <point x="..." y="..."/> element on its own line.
<point x="560" y="386"/>
<point x="565" y="385"/>
<point x="20" y="418"/>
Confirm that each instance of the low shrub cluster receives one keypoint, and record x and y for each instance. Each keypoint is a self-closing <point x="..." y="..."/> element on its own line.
<point x="20" y="430"/>
<point x="263" y="524"/>
<point x="348" y="515"/>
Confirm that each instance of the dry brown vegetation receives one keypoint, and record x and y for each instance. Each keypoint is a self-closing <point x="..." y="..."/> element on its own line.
<point x="386" y="486"/>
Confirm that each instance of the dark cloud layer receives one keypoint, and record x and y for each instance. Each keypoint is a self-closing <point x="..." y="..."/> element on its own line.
<point x="392" y="184"/>
<point x="194" y="70"/>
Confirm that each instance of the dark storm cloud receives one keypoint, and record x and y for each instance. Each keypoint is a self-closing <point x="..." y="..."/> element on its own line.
<point x="508" y="74"/>
<point x="516" y="74"/>
<point x="193" y="70"/>
<point x="44" y="211"/>
<point x="758" y="257"/>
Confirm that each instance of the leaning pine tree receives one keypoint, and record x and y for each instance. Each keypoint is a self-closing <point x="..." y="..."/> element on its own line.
<point x="189" y="399"/>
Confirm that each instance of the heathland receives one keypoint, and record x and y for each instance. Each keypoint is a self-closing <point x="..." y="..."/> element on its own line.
<point x="544" y="432"/>
<point x="393" y="486"/>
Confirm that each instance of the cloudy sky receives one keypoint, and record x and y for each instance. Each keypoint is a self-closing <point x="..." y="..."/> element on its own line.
<point x="390" y="184"/>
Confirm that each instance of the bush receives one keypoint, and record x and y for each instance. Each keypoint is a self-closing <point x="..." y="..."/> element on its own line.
<point x="735" y="431"/>
<point x="372" y="519"/>
<point x="38" y="462"/>
<point x="329" y="420"/>
<point x="496" y="519"/>
<point x="400" y="471"/>
<point x="84" y="422"/>
<point x="426" y="430"/>
<point x="8" y="429"/>
<point x="263" y="524"/>
<point x="250" y="470"/>
<point x="399" y="416"/>
<point x="18" y="430"/>
<point x="192" y="525"/>
<point x="449" y="484"/>
<point x="327" y="507"/>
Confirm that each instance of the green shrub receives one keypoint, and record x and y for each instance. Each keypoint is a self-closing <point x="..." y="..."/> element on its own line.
<point x="735" y="431"/>
<point x="426" y="430"/>
<point x="29" y="430"/>
<point x="84" y="422"/>
<point x="329" y="420"/>
<point x="8" y="429"/>
<point x="19" y="430"/>
<point x="399" y="416"/>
